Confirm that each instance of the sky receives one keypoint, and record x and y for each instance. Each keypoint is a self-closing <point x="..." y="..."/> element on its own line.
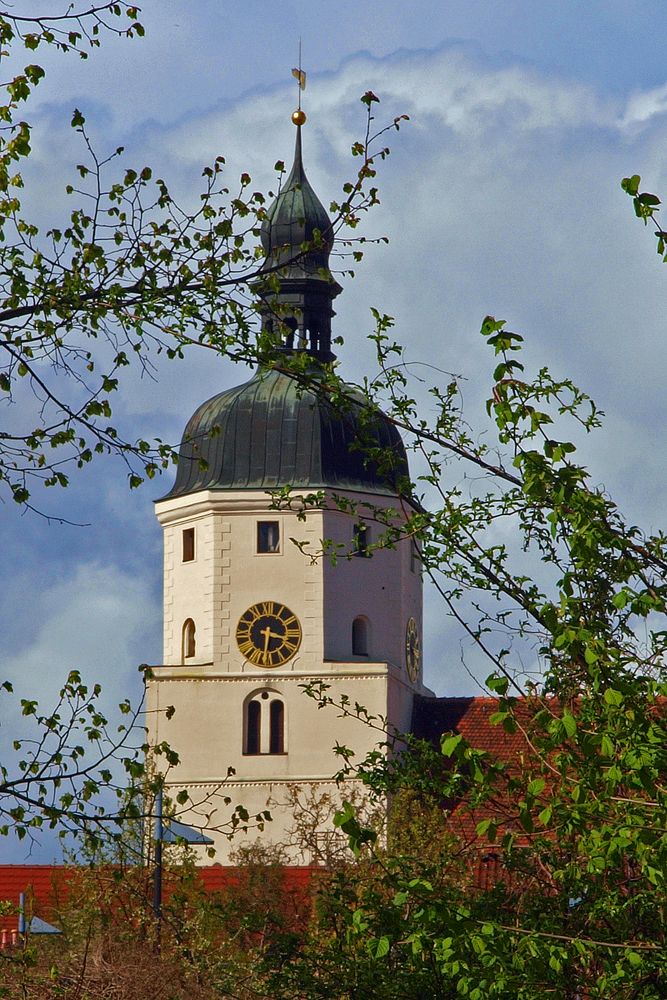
<point x="502" y="195"/>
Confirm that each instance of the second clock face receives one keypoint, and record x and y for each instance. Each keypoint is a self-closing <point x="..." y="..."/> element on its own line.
<point x="412" y="651"/>
<point x="268" y="634"/>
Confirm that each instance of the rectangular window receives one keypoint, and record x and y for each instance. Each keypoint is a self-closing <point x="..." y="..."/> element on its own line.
<point x="361" y="540"/>
<point x="188" y="544"/>
<point x="268" y="536"/>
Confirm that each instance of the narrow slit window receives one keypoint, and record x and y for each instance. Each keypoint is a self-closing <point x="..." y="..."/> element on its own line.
<point x="268" y="536"/>
<point x="360" y="637"/>
<point x="188" y="544"/>
<point x="277" y="733"/>
<point x="361" y="540"/>
<point x="254" y="727"/>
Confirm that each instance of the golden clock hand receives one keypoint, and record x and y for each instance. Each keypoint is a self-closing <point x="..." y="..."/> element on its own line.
<point x="266" y="632"/>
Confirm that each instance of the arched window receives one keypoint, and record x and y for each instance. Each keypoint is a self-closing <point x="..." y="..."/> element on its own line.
<point x="277" y="727"/>
<point x="360" y="637"/>
<point x="264" y="724"/>
<point x="188" y="642"/>
<point x="361" y="540"/>
<point x="254" y="727"/>
<point x="291" y="323"/>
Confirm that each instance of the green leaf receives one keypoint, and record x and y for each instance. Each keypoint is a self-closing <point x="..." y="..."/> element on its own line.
<point x="631" y="184"/>
<point x="648" y="199"/>
<point x="536" y="786"/>
<point x="569" y="723"/>
<point x="497" y="684"/>
<point x="449" y="744"/>
<point x="545" y="815"/>
<point x="381" y="947"/>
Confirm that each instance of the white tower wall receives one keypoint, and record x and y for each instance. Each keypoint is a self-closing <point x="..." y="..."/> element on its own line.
<point x="210" y="691"/>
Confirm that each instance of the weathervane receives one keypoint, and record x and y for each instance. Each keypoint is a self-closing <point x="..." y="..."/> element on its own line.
<point x="299" y="116"/>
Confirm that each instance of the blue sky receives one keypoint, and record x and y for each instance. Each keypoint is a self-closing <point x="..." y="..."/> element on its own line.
<point x="501" y="196"/>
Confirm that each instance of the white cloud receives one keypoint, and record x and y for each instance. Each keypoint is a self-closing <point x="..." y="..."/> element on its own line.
<point x="501" y="195"/>
<point x="97" y="620"/>
<point x="644" y="105"/>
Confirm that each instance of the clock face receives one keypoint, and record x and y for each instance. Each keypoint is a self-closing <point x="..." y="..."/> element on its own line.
<point x="412" y="650"/>
<point x="268" y="634"/>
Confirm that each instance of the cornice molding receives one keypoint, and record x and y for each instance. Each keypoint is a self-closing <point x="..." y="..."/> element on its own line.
<point x="383" y="670"/>
<point x="252" y="502"/>
<point x="306" y="779"/>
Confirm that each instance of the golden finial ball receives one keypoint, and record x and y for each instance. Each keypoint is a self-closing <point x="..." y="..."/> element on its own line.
<point x="299" y="117"/>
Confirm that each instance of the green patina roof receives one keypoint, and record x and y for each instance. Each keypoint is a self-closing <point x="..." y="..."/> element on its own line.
<point x="296" y="217"/>
<point x="269" y="433"/>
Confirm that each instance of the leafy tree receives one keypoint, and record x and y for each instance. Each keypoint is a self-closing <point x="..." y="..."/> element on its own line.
<point x="127" y="275"/>
<point x="565" y="599"/>
<point x="311" y="837"/>
<point x="535" y="563"/>
<point x="222" y="943"/>
<point x="86" y="776"/>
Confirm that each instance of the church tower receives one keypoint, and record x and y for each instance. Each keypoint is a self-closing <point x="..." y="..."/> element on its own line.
<point x="249" y="616"/>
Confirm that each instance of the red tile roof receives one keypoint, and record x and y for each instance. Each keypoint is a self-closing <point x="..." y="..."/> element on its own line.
<point x="48" y="886"/>
<point x="42" y="884"/>
<point x="432" y="717"/>
<point x="472" y="718"/>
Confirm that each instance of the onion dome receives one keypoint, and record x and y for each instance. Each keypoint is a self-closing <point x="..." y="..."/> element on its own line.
<point x="297" y="237"/>
<point x="270" y="433"/>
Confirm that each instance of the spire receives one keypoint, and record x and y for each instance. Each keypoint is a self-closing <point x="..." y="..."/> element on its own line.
<point x="303" y="301"/>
